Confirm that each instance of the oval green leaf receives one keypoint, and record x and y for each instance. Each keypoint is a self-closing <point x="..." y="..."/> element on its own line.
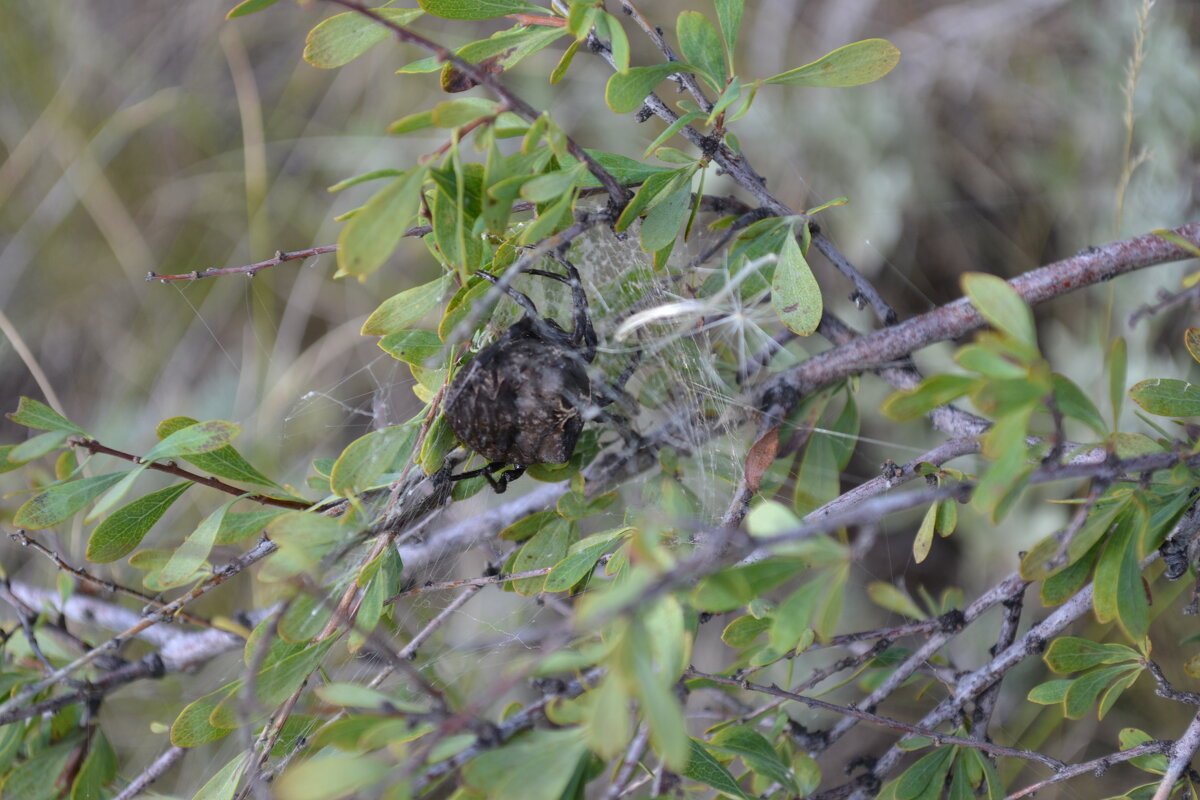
<point x="125" y="528"/>
<point x="626" y="90"/>
<point x="479" y="9"/>
<point x="344" y="37"/>
<point x="701" y="47"/>
<point x="1001" y="306"/>
<point x="36" y="414"/>
<point x="402" y="310"/>
<point x="224" y="462"/>
<point x="795" y="295"/>
<point x="59" y="502"/>
<point x="1167" y="397"/>
<point x="851" y="65"/>
<point x="360" y="465"/>
<point x="188" y="557"/>
<point x="371" y="236"/>
<point x="203" y="437"/>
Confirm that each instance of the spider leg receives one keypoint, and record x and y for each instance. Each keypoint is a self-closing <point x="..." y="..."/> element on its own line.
<point x="521" y="299"/>
<point x="583" y="334"/>
<point x="498" y="484"/>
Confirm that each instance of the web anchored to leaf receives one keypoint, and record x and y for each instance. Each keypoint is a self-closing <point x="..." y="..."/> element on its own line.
<point x="689" y="583"/>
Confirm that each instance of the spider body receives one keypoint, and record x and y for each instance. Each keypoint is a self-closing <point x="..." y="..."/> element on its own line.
<point x="523" y="399"/>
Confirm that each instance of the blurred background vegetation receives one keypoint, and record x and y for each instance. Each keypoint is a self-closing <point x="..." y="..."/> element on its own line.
<point x="159" y="137"/>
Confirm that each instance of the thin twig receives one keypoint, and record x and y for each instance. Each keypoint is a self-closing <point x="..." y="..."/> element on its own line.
<point x="885" y="722"/>
<point x="1181" y="756"/>
<point x="152" y="773"/>
<point x="25" y="540"/>
<point x="1095" y="766"/>
<point x="171" y="468"/>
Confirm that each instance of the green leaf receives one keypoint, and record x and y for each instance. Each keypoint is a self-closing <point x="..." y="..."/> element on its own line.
<point x="754" y="749"/>
<point x="929" y="771"/>
<point x="223" y="785"/>
<point x="1115" y="366"/>
<point x="608" y="25"/>
<point x="891" y="598"/>
<point x="987" y="361"/>
<point x="188" y="557"/>
<point x="412" y="347"/>
<point x="795" y="295"/>
<point x="1081" y="695"/>
<point x="1116" y="689"/>
<point x="329" y="776"/>
<point x="1073" y="403"/>
<point x="33" y="779"/>
<point x="61" y="501"/>
<point x="224" y="462"/>
<point x="665" y="219"/>
<point x="547" y="547"/>
<point x="734" y="587"/>
<point x="744" y="630"/>
<point x="701" y="47"/>
<point x="625" y="169"/>
<point x="672" y="129"/>
<point x="771" y="518"/>
<point x="463" y="111"/>
<point x="819" y="477"/>
<point x="273" y="684"/>
<point x="1051" y="692"/>
<point x="1167" y="397"/>
<point x="625" y="91"/>
<point x="1001" y="306"/>
<point x="549" y="220"/>
<point x="851" y="65"/>
<point x="36" y="447"/>
<point x="371" y="236"/>
<point x="553" y="185"/>
<point x="660" y="185"/>
<point x="202" y="437"/>
<point x="98" y="770"/>
<point x="1118" y="589"/>
<point x="401" y="311"/>
<point x="303" y="538"/>
<point x="582" y="559"/>
<point x="124" y="529"/>
<point x="367" y="457"/>
<point x="344" y="37"/>
<point x="236" y="527"/>
<point x="729" y="16"/>
<point x="534" y="766"/>
<point x="247" y="7"/>
<point x="1072" y="654"/>
<point x="406" y="124"/>
<point x="924" y="538"/>
<point x="702" y="767"/>
<point x="479" y="9"/>
<point x="35" y="414"/>
<point x="564" y="63"/>
<point x="192" y="727"/>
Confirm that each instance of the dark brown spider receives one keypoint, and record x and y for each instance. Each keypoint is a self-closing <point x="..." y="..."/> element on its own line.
<point x="523" y="399"/>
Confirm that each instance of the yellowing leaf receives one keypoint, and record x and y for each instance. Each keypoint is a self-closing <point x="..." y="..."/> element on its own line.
<point x="795" y="295"/>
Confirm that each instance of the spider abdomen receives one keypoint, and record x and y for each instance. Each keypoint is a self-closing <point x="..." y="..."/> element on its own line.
<point x="518" y="402"/>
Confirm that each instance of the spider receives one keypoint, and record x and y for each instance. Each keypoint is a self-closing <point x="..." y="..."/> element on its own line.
<point x="524" y="399"/>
